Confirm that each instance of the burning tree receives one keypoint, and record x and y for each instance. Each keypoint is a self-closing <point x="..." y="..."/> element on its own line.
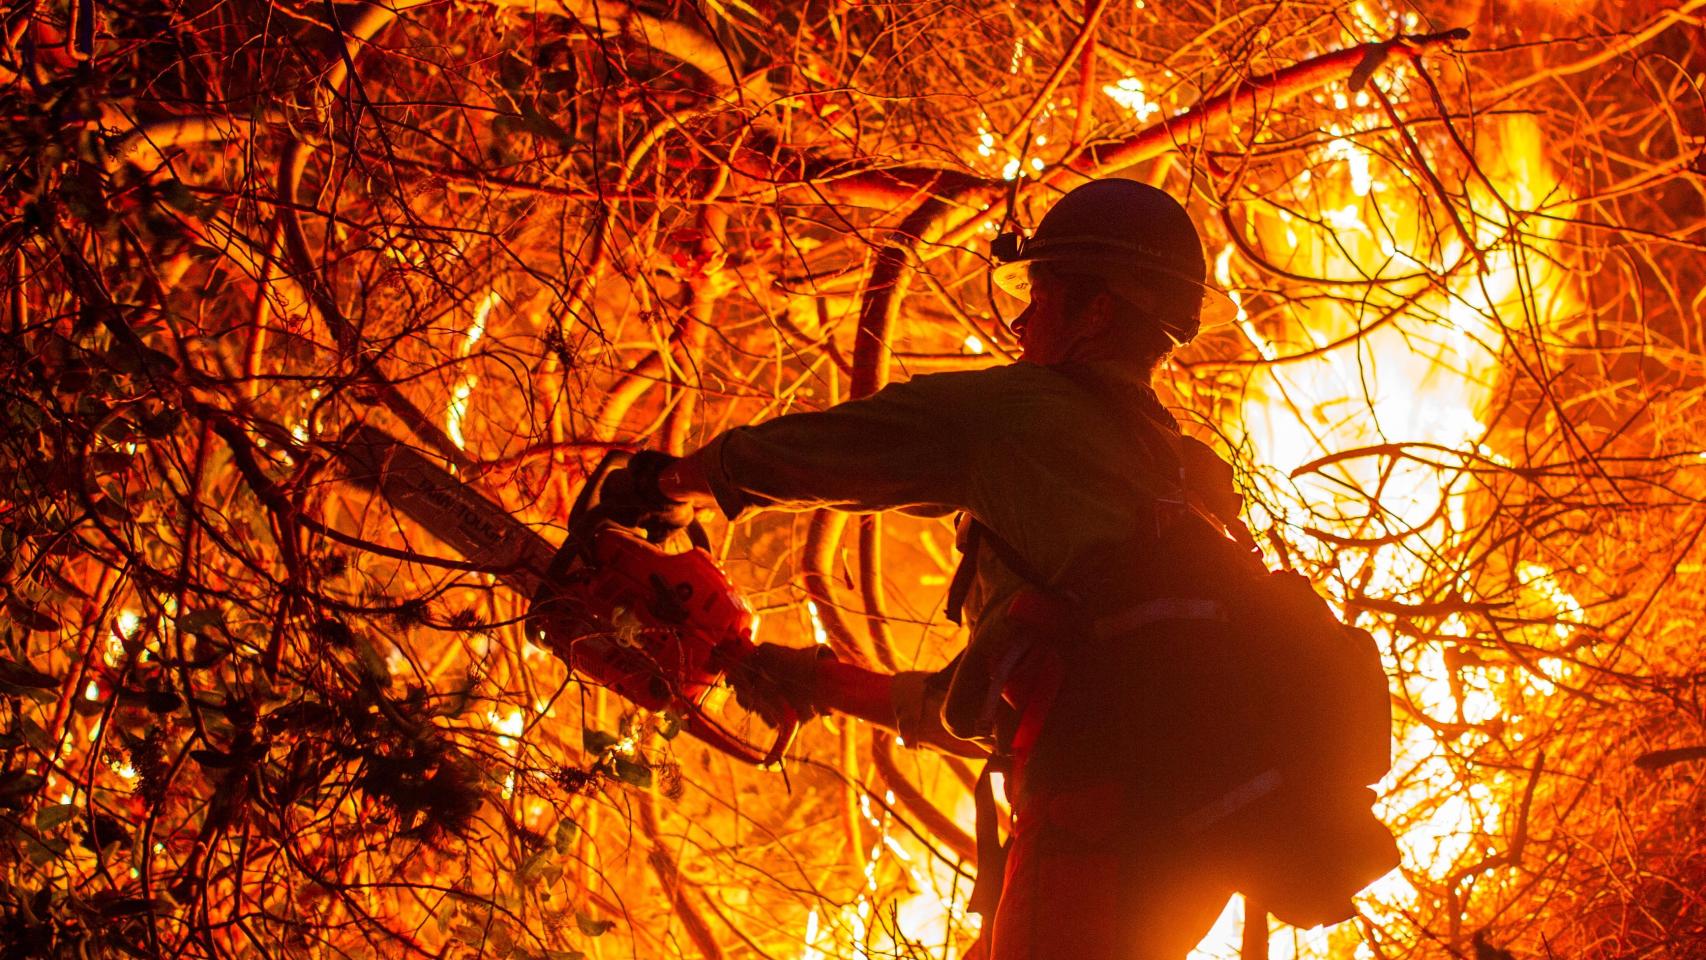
<point x="252" y="711"/>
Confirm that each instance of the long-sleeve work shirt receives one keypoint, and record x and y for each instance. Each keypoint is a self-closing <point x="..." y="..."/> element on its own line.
<point x="1045" y="460"/>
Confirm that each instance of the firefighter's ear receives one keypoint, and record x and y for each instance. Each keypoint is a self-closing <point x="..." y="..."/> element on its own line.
<point x="1101" y="315"/>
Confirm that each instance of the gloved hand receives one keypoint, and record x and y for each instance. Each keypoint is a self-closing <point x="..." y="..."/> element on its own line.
<point x="774" y="678"/>
<point x="631" y="495"/>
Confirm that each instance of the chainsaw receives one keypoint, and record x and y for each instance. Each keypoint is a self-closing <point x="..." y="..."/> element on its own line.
<point x="660" y="629"/>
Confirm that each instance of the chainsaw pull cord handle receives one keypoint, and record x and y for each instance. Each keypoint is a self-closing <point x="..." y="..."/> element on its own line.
<point x="697" y="536"/>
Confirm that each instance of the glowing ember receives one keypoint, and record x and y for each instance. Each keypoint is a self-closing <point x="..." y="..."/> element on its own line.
<point x="1128" y="92"/>
<point x="820" y="635"/>
<point x="456" y="411"/>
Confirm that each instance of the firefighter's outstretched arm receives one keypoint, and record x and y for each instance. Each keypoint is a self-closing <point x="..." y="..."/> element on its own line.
<point x="917" y="446"/>
<point x="903" y="448"/>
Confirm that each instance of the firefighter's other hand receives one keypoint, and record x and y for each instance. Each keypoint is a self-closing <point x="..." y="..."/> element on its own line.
<point x="631" y="495"/>
<point x="776" y="680"/>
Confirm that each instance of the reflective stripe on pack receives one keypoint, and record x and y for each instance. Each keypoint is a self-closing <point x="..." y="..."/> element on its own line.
<point x="1232" y="801"/>
<point x="1135" y="617"/>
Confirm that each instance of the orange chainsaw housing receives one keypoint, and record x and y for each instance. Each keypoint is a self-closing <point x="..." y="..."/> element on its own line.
<point x="657" y="628"/>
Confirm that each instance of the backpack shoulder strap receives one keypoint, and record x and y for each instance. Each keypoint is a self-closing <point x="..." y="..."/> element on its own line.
<point x="960" y="586"/>
<point x="1193" y="471"/>
<point x="1202" y="483"/>
<point x="977" y="535"/>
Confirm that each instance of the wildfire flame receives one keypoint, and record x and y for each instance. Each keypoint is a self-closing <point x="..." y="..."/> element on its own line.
<point x="1415" y="366"/>
<point x="249" y="701"/>
<point x="1375" y="376"/>
<point x="456" y="411"/>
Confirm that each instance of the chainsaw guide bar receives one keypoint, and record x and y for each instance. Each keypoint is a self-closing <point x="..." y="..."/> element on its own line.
<point x="660" y="629"/>
<point x="485" y="534"/>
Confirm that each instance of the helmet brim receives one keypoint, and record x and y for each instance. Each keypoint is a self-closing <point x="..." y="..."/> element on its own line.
<point x="1014" y="279"/>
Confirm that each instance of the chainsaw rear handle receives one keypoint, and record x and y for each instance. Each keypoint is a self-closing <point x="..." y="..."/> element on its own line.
<point x="704" y="726"/>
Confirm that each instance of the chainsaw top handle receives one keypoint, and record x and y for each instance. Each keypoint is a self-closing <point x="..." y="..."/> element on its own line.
<point x="587" y="514"/>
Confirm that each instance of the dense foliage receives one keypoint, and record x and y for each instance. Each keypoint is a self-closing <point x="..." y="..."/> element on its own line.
<point x="248" y="710"/>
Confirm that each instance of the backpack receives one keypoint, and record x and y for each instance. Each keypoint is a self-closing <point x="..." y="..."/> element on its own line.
<point x="1322" y="718"/>
<point x="1326" y="719"/>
